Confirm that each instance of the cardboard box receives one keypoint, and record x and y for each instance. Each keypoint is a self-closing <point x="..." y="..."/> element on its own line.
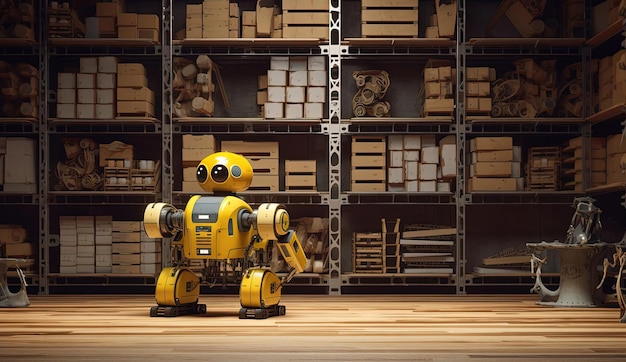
<point x="131" y="69"/>
<point x="273" y="110"/>
<point x="152" y="34"/>
<point x="20" y="161"/>
<point x="199" y="141"/>
<point x="105" y="111"/>
<point x="107" y="26"/>
<point x="127" y="32"/>
<point x="294" y="110"/>
<point x="295" y="95"/>
<point x="148" y="21"/>
<point x="135" y="94"/>
<point x="135" y="107"/>
<point x="112" y="9"/>
<point x="491" y="184"/>
<point x="314" y="110"/>
<point x="491" y="169"/>
<point x="85" y="80"/>
<point x="86" y="96"/>
<point x="105" y="96"/>
<point x="195" y="155"/>
<point x="66" y="95"/>
<point x="86" y="111"/>
<point x="107" y="64"/>
<point x="192" y="187"/>
<point x="615" y="144"/>
<point x="66" y="80"/>
<point x="10" y="234"/>
<point x="106" y="80"/>
<point x="276" y="94"/>
<point x="88" y="65"/>
<point x="115" y="150"/>
<point x="127" y="19"/>
<point x="132" y="81"/>
<point x="491" y="143"/>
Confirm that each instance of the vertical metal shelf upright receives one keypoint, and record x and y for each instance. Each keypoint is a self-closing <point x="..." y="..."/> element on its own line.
<point x="167" y="173"/>
<point x="461" y="129"/>
<point x="333" y="128"/>
<point x="44" y="223"/>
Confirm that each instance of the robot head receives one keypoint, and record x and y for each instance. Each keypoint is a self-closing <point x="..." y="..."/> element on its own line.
<point x="224" y="171"/>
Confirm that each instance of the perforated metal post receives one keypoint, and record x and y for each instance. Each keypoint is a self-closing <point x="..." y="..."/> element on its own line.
<point x="332" y="128"/>
<point x="461" y="129"/>
<point x="44" y="252"/>
<point x="166" y="119"/>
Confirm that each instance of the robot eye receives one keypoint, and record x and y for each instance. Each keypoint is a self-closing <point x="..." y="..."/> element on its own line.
<point x="202" y="173"/>
<point x="219" y="173"/>
<point x="236" y="171"/>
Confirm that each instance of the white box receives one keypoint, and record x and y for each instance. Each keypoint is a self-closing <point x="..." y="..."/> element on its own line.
<point x="316" y="94"/>
<point x="428" y="186"/>
<point x="86" y="96"/>
<point x="150" y="268"/>
<point x="427" y="172"/>
<point x="411" y="185"/>
<point x="67" y="269"/>
<point x="447" y="160"/>
<point x="276" y="94"/>
<point x="276" y="78"/>
<point x="105" y="96"/>
<point x="151" y="246"/>
<point x="85" y="268"/>
<point x="104" y="239"/>
<point x="295" y="95"/>
<point x="274" y="110"/>
<point x="103" y="251"/>
<point x="88" y="65"/>
<point x="411" y="170"/>
<point x="316" y="63"/>
<point x="443" y="187"/>
<point x="85" y="80"/>
<point x="66" y="80"/>
<point x="66" y="111"/>
<point x="107" y="64"/>
<point x="395" y="175"/>
<point x="106" y="80"/>
<point x="412" y="155"/>
<point x="279" y="63"/>
<point x="298" y="63"/>
<point x="299" y="78"/>
<point x="396" y="158"/>
<point x="394" y="142"/>
<point x="85" y="239"/>
<point x="66" y="95"/>
<point x="412" y="142"/>
<point x="86" y="111"/>
<point x="430" y="154"/>
<point x="294" y="110"/>
<point x="105" y="111"/>
<point x="314" y="110"/>
<point x="317" y="78"/>
<point x="19" y="161"/>
<point x="85" y="251"/>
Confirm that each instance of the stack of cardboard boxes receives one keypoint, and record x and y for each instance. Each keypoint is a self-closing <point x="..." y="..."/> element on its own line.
<point x="478" y="89"/>
<point x="88" y="94"/>
<point x="296" y="88"/>
<point x="138" y="26"/>
<point x="439" y="83"/>
<point x="195" y="148"/>
<point x="571" y="175"/>
<point x="494" y="165"/>
<point x="134" y="98"/>
<point x="615" y="158"/>
<point x="212" y="19"/>
<point x="104" y="24"/>
<point x="300" y="174"/>
<point x="99" y="244"/>
<point x="611" y="80"/>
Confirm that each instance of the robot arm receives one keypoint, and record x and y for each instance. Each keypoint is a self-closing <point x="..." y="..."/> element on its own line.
<point x="162" y="220"/>
<point x="272" y="223"/>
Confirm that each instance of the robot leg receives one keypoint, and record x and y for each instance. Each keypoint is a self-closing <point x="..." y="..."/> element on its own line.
<point x="260" y="294"/>
<point x="177" y="293"/>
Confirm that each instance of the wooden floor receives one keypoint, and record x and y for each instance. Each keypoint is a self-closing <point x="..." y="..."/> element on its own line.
<point x="316" y="328"/>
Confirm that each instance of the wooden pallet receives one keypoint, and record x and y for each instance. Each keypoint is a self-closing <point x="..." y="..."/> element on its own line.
<point x="138" y="174"/>
<point x="117" y="173"/>
<point x="367" y="253"/>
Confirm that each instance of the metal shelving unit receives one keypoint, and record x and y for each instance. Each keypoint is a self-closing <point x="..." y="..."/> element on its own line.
<point x="333" y="130"/>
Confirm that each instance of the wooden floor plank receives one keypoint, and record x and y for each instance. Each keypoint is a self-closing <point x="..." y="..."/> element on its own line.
<point x="316" y="328"/>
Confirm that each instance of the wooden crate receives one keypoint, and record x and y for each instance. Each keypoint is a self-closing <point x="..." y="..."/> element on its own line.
<point x="542" y="168"/>
<point x="391" y="19"/>
<point x="300" y="175"/>
<point x="427" y="249"/>
<point x="368" y="169"/>
<point x="305" y="19"/>
<point x="145" y="179"/>
<point x="438" y="107"/>
<point x="367" y="253"/>
<point x="251" y="149"/>
<point x="391" y="244"/>
<point x="117" y="178"/>
<point x="64" y="23"/>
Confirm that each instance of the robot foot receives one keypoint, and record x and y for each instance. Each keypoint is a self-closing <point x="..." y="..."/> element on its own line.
<point x="261" y="313"/>
<point x="165" y="311"/>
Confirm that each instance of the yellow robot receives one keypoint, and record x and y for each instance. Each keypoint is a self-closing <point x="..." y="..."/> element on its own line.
<point x="223" y="228"/>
